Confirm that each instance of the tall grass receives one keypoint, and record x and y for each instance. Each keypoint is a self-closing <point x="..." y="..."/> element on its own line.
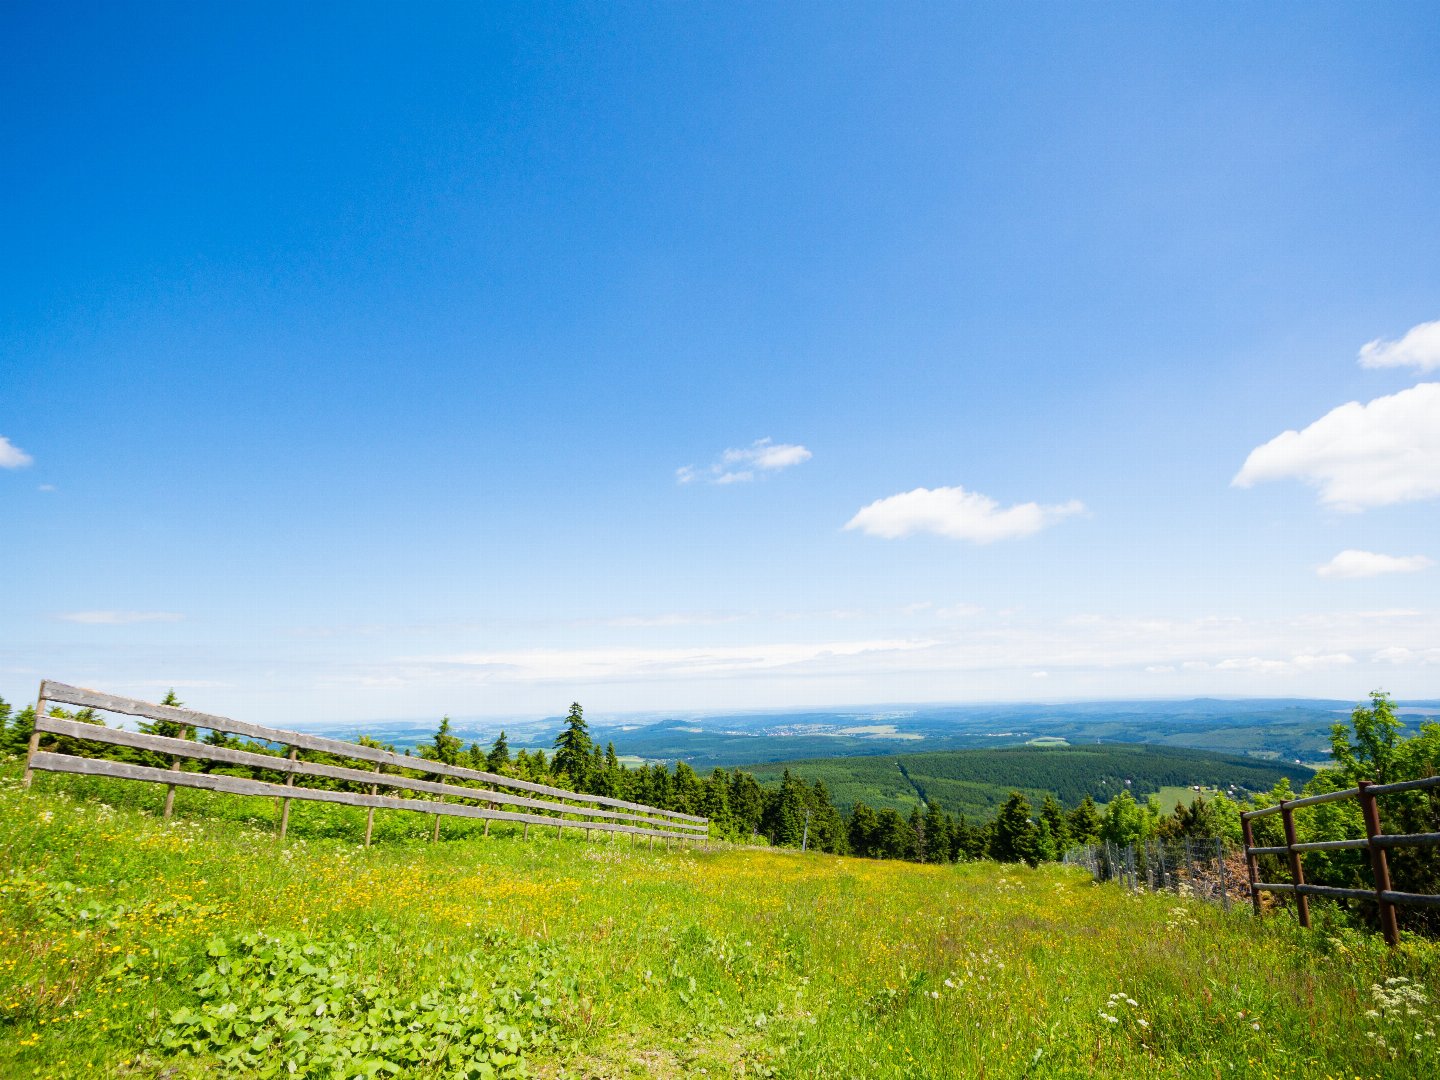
<point x="134" y="947"/>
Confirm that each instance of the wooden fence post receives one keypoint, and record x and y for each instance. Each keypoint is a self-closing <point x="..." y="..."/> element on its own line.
<point x="1297" y="872"/>
<point x="1379" y="864"/>
<point x="436" y="834"/>
<point x="285" y="803"/>
<point x="185" y="733"/>
<point x="34" y="736"/>
<point x="526" y="835"/>
<point x="370" y="814"/>
<point x="1248" y="832"/>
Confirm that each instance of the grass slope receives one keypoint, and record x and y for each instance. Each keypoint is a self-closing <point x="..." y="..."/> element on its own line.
<point x="138" y="948"/>
<point x="976" y="782"/>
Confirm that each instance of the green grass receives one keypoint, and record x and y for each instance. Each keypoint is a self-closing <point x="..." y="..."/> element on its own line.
<point x="136" y="948"/>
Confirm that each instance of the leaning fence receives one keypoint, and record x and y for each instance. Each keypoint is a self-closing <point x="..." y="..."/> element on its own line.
<point x="72" y="746"/>
<point x="1207" y="868"/>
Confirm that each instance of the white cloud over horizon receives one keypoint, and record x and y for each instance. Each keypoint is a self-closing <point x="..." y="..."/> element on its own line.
<point x="1419" y="348"/>
<point x="1360" y="456"/>
<point x="1353" y="563"/>
<point x="12" y="457"/>
<point x="119" y="618"/>
<point x="957" y="514"/>
<point x="742" y="464"/>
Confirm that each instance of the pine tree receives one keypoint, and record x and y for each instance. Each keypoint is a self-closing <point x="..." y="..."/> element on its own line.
<point x="1083" y="823"/>
<point x="498" y="760"/>
<point x="937" y="843"/>
<point x="864" y="831"/>
<point x="445" y="747"/>
<point x="1052" y="815"/>
<point x="573" y="747"/>
<point x="892" y="835"/>
<point x="168" y="728"/>
<point x="1016" y="836"/>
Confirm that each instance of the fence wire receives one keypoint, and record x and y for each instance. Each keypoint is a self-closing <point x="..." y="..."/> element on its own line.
<point x="1207" y="868"/>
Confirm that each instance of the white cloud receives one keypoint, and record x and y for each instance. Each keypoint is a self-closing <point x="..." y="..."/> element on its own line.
<point x="1419" y="348"/>
<point x="1363" y="564"/>
<point x="1399" y="654"/>
<point x="738" y="465"/>
<point x="11" y="456"/>
<point x="605" y="663"/>
<point x="1256" y="665"/>
<point x="958" y="514"/>
<point x="118" y="618"/>
<point x="1387" y="451"/>
<point x="959" y="611"/>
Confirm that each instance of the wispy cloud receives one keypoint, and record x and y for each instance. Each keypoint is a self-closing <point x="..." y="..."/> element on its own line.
<point x="1384" y="452"/>
<point x="606" y="663"/>
<point x="118" y="618"/>
<point x="736" y="466"/>
<point x="11" y="456"/>
<point x="1419" y="348"/>
<point x="1365" y="564"/>
<point x="958" y="514"/>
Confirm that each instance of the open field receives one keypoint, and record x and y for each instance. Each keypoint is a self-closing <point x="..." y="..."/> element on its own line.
<point x="132" y="946"/>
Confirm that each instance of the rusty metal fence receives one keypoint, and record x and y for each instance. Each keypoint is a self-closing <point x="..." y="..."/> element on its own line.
<point x="1376" y="842"/>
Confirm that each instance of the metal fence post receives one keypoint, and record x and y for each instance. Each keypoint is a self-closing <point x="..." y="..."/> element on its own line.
<point x="1379" y="864"/>
<point x="1248" y="832"/>
<point x="1297" y="872"/>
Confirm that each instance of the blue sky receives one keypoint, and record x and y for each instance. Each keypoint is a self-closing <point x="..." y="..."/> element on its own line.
<point x="381" y="361"/>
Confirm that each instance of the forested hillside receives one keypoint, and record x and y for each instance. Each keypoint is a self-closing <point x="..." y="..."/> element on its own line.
<point x="976" y="782"/>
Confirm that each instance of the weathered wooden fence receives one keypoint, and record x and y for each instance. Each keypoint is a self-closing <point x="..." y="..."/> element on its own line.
<point x="556" y="806"/>
<point x="1376" y="841"/>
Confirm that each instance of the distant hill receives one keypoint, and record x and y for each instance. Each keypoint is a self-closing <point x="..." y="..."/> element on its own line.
<point x="975" y="782"/>
<point x="1280" y="729"/>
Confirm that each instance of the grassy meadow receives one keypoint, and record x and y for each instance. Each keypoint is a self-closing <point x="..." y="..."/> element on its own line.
<point x="133" y="947"/>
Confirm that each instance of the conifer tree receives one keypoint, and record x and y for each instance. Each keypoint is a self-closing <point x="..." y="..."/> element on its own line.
<point x="937" y="843"/>
<point x="573" y="747"/>
<point x="168" y="728"/>
<point x="498" y="759"/>
<point x="444" y="747"/>
<point x="1083" y="823"/>
<point x="1016" y="836"/>
<point x="1052" y="816"/>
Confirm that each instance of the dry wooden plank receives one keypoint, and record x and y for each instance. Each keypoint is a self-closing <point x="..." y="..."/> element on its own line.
<point x="203" y="752"/>
<point x="235" y="785"/>
<point x="74" y="695"/>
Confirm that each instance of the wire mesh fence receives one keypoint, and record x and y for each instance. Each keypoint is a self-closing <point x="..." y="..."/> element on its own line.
<point x="1208" y="868"/>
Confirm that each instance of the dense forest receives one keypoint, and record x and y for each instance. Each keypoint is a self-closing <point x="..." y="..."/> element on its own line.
<point x="977" y="782"/>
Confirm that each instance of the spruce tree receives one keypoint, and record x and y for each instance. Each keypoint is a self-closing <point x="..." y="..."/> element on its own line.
<point x="445" y="747"/>
<point x="1052" y="815"/>
<point x="1083" y="823"/>
<point x="168" y="728"/>
<point x="1016" y="836"/>
<point x="498" y="760"/>
<point x="573" y="747"/>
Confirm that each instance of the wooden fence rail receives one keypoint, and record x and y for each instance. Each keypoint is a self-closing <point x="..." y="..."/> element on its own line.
<point x="1376" y="841"/>
<point x="557" y="806"/>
